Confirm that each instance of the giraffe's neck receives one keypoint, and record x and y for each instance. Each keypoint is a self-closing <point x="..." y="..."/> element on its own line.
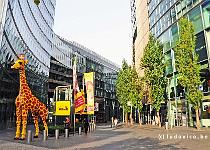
<point x="22" y="77"/>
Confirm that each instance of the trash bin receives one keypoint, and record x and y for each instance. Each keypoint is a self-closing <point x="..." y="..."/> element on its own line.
<point x="166" y="125"/>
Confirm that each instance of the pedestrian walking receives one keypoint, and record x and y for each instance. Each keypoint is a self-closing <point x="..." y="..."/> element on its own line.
<point x="115" y="122"/>
<point x="86" y="126"/>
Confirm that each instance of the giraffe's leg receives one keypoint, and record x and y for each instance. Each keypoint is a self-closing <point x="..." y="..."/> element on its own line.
<point x="35" y="117"/>
<point x="24" y="123"/>
<point x="18" y="122"/>
<point x="44" y="120"/>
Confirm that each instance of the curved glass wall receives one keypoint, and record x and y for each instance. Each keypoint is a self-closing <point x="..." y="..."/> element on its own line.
<point x="27" y="30"/>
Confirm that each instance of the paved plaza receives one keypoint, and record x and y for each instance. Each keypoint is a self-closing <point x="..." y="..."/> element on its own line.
<point x="106" y="138"/>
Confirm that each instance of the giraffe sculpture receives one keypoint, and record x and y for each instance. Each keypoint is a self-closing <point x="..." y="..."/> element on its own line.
<point x="27" y="102"/>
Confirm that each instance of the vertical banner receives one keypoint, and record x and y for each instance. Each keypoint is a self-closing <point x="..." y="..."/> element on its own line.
<point x="89" y="82"/>
<point x="79" y="100"/>
<point x="75" y="83"/>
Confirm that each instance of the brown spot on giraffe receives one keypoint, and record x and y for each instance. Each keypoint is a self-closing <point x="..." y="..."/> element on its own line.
<point x="27" y="102"/>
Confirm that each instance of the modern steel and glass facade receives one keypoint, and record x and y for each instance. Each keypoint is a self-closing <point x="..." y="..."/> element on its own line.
<point x="25" y="28"/>
<point x="163" y="23"/>
<point x="87" y="61"/>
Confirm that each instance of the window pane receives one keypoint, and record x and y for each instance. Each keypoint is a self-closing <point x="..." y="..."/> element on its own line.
<point x="206" y="14"/>
<point x="174" y="33"/>
<point x="195" y="17"/>
<point x="200" y="47"/>
<point x="168" y="63"/>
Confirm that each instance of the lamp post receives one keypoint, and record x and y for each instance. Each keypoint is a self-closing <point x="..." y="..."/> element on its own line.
<point x="174" y="78"/>
<point x="113" y="104"/>
<point x="169" y="105"/>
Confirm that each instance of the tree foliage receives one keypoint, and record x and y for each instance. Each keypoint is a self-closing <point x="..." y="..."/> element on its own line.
<point x="187" y="63"/>
<point x="121" y="83"/>
<point x="154" y="69"/>
<point x="128" y="87"/>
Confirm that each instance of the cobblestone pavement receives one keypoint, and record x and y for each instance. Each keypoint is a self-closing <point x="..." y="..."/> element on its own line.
<point x="106" y="138"/>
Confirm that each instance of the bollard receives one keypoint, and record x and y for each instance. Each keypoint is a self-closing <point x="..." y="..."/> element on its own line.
<point x="44" y="135"/>
<point x="80" y="131"/>
<point x="94" y="126"/>
<point x="29" y="138"/>
<point x="66" y="133"/>
<point x="56" y="134"/>
<point x="166" y="125"/>
<point x="91" y="127"/>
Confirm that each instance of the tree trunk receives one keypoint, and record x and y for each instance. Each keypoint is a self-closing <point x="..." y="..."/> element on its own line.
<point x="131" y="119"/>
<point x="126" y="119"/>
<point x="197" y="119"/>
<point x="158" y="117"/>
<point x="140" y="118"/>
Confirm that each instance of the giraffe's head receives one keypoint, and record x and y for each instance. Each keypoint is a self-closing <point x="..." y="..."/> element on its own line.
<point x="20" y="63"/>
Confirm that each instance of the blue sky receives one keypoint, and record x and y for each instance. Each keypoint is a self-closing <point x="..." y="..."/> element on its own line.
<point x="103" y="26"/>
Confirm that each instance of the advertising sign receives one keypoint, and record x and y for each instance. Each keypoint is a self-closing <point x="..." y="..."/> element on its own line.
<point x="62" y="108"/>
<point x="79" y="102"/>
<point x="89" y="82"/>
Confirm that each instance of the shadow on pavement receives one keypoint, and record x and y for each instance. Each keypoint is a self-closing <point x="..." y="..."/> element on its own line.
<point x="51" y="143"/>
<point x="135" y="144"/>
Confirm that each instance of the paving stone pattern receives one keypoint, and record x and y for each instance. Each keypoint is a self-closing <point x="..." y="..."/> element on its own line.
<point x="106" y="138"/>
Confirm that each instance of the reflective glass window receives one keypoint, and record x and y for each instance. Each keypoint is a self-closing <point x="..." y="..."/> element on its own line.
<point x="174" y="34"/>
<point x="206" y="14"/>
<point x="195" y="17"/>
<point x="168" y="60"/>
<point x="200" y="47"/>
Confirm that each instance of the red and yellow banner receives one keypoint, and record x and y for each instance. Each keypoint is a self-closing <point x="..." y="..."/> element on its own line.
<point x="89" y="82"/>
<point x="79" y="102"/>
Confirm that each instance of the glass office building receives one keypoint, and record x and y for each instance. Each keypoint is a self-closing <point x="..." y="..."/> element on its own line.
<point x="163" y="23"/>
<point x="87" y="61"/>
<point x="163" y="17"/>
<point x="25" y="28"/>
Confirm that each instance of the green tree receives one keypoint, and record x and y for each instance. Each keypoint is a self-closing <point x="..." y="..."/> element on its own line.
<point x="135" y="92"/>
<point x="140" y="86"/>
<point x="128" y="89"/>
<point x="121" y="88"/>
<point x="154" y="69"/>
<point x="187" y="65"/>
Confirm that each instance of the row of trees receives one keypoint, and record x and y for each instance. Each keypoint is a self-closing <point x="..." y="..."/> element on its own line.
<point x="131" y="88"/>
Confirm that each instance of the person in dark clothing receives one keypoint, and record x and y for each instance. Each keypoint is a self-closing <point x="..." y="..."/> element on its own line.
<point x="86" y="125"/>
<point x="67" y="123"/>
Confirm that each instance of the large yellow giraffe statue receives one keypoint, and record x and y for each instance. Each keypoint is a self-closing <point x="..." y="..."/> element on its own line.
<point x="26" y="102"/>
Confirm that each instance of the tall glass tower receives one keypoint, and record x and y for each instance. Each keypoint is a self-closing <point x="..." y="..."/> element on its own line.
<point x="25" y="28"/>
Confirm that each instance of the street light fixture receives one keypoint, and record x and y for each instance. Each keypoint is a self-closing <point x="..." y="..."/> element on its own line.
<point x="37" y="2"/>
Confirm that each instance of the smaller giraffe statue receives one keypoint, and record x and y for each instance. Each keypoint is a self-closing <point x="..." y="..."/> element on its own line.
<point x="27" y="102"/>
